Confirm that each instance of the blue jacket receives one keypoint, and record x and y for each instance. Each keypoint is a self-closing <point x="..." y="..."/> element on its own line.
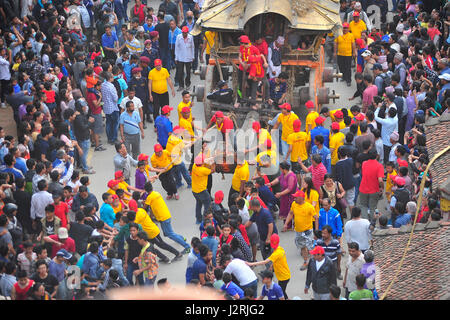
<point x="163" y="126"/>
<point x="91" y="265"/>
<point x="267" y="197"/>
<point x="322" y="131"/>
<point x="331" y="218"/>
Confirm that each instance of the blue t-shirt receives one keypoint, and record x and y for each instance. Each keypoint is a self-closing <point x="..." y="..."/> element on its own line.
<point x="231" y="288"/>
<point x="130" y="122"/>
<point x="198" y="268"/>
<point x="273" y="293"/>
<point x="107" y="214"/>
<point x="262" y="219"/>
<point x="322" y="131"/>
<point x="148" y="28"/>
<point x="212" y="244"/>
<point x="163" y="126"/>
<point x="109" y="41"/>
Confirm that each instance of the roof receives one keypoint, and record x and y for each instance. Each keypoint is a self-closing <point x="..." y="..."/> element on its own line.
<point x="437" y="131"/>
<point x="314" y="15"/>
<point x="424" y="274"/>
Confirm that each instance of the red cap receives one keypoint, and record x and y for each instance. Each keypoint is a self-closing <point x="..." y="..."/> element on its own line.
<point x="339" y="114"/>
<point x="133" y="205"/>
<point x="115" y="196"/>
<point x="268" y="143"/>
<point x="112" y="183"/>
<point x="309" y="104"/>
<point x="319" y="120"/>
<point x="177" y="129"/>
<point x="218" y="197"/>
<point x="345" y="25"/>
<point x="244" y="39"/>
<point x="118" y="174"/>
<point x="157" y="147"/>
<point x="297" y="125"/>
<point x="143" y="157"/>
<point x="299" y="193"/>
<point x="286" y="106"/>
<point x="355" y="13"/>
<point x="274" y="240"/>
<point x="256" y="126"/>
<point x="399" y="181"/>
<point x="360" y="117"/>
<point x="335" y="126"/>
<point x="186" y="109"/>
<point x="136" y="70"/>
<point x="158" y="62"/>
<point x="199" y="159"/>
<point x="185" y="29"/>
<point x="402" y="163"/>
<point x="166" y="109"/>
<point x="317" y="250"/>
<point x="219" y="114"/>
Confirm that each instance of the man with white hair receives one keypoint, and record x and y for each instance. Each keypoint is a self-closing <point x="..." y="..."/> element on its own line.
<point x="400" y="68"/>
<point x="274" y="57"/>
<point x="368" y="63"/>
<point x="362" y="14"/>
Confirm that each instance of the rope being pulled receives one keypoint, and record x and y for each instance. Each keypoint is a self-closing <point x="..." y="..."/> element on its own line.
<point x="419" y="203"/>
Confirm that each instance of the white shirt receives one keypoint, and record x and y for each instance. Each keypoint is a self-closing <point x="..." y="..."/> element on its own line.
<point x="243" y="273"/>
<point x="4" y="69"/>
<point x="136" y="101"/>
<point x="38" y="203"/>
<point x="358" y="231"/>
<point x="244" y="214"/>
<point x="354" y="268"/>
<point x="319" y="264"/>
<point x="392" y="156"/>
<point x="184" y="48"/>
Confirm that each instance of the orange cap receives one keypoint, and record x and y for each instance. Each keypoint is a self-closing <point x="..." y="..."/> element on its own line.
<point x="157" y="147"/>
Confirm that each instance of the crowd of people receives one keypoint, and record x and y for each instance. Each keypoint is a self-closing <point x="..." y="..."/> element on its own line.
<point x="331" y="186"/>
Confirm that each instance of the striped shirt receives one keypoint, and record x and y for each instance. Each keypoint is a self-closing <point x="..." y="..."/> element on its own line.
<point x="109" y="97"/>
<point x="134" y="46"/>
<point x="332" y="249"/>
<point x="317" y="174"/>
<point x="146" y="258"/>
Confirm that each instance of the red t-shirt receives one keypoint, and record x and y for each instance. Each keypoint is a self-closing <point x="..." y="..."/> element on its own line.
<point x="246" y="52"/>
<point x="50" y="96"/>
<point x="98" y="70"/>
<point x="263" y="47"/>
<point x="227" y="124"/>
<point x="244" y="233"/>
<point x="61" y="211"/>
<point x="371" y="171"/>
<point x="317" y="175"/>
<point x="69" y="245"/>
<point x="432" y="32"/>
<point x="256" y="68"/>
<point x="91" y="97"/>
<point x="260" y="202"/>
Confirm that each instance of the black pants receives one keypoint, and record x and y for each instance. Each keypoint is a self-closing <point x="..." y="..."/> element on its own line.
<point x="283" y="284"/>
<point x="159" y="101"/>
<point x="110" y="55"/>
<point x="168" y="182"/>
<point x="158" y="241"/>
<point x="181" y="66"/>
<point x="3" y="89"/>
<point x="345" y="66"/>
<point x="209" y="185"/>
<point x="232" y="191"/>
<point x="401" y="128"/>
<point x="386" y="150"/>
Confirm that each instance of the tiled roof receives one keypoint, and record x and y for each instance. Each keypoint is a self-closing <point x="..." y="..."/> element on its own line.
<point x="437" y="131"/>
<point x="425" y="272"/>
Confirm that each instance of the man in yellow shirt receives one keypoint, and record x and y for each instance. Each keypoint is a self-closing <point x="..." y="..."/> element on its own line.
<point x="240" y="177"/>
<point x="175" y="146"/>
<point x="357" y="26"/>
<point x="118" y="175"/>
<point x="186" y="102"/>
<point x="261" y="136"/>
<point x="208" y="43"/>
<point x="337" y="139"/>
<point x="304" y="215"/>
<point x="297" y="149"/>
<point x="345" y="50"/>
<point x="161" y="212"/>
<point x="158" y="78"/>
<point x="161" y="162"/>
<point x="311" y="117"/>
<point x="286" y="119"/>
<point x="200" y="173"/>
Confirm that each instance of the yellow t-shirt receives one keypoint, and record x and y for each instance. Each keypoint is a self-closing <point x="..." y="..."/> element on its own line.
<point x="336" y="140"/>
<point x="146" y="223"/>
<point x="313" y="197"/>
<point x="287" y="123"/>
<point x="241" y="173"/>
<point x="163" y="161"/>
<point x="332" y="112"/>
<point x="187" y="125"/>
<point x="158" y="206"/>
<point x="298" y="142"/>
<point x="211" y="38"/>
<point x="175" y="147"/>
<point x="303" y="216"/>
<point x="124" y="186"/>
<point x="270" y="153"/>
<point x="118" y="208"/>
<point x="389" y="183"/>
<point x="311" y="121"/>
<point x="181" y="105"/>
<point x="111" y="191"/>
<point x="344" y="44"/>
<point x="357" y="28"/>
<point x="199" y="178"/>
<point x="280" y="266"/>
<point x="159" y="80"/>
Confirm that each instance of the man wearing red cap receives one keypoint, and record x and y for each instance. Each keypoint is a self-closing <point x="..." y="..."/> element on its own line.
<point x="304" y="214"/>
<point x="158" y="78"/>
<point x="246" y="50"/>
<point x="401" y="195"/>
<point x="338" y="116"/>
<point x="163" y="125"/>
<point x="357" y="25"/>
<point x="286" y="119"/>
<point x="310" y="122"/>
<point x="267" y="161"/>
<point x="175" y="146"/>
<point x="261" y="136"/>
<point x="161" y="162"/>
<point x="321" y="274"/>
<point x="337" y="139"/>
<point x="184" y="56"/>
<point x="185" y="102"/>
<point x="297" y="149"/>
<point x="345" y="50"/>
<point x="200" y="173"/>
<point x="240" y="177"/>
<point x="225" y="125"/>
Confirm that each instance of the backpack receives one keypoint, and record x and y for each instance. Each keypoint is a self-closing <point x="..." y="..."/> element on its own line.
<point x="386" y="81"/>
<point x="118" y="88"/>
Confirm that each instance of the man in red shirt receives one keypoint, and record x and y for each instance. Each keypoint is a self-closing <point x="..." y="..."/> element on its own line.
<point x="61" y="209"/>
<point x="60" y="241"/>
<point x="246" y="50"/>
<point x="225" y="125"/>
<point x="371" y="188"/>
<point x="94" y="101"/>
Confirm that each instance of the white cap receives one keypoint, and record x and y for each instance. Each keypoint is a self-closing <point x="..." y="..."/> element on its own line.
<point x="445" y="76"/>
<point x="396" y="47"/>
<point x="366" y="53"/>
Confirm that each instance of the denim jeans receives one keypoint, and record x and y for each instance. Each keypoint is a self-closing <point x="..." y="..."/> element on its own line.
<point x="165" y="57"/>
<point x="131" y="268"/>
<point x="119" y="27"/>
<point x="150" y="282"/>
<point x="357" y="184"/>
<point x="254" y="286"/>
<point x="112" y="126"/>
<point x="168" y="232"/>
<point x="284" y="149"/>
<point x="180" y="170"/>
<point x="203" y="199"/>
<point x="84" y="145"/>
